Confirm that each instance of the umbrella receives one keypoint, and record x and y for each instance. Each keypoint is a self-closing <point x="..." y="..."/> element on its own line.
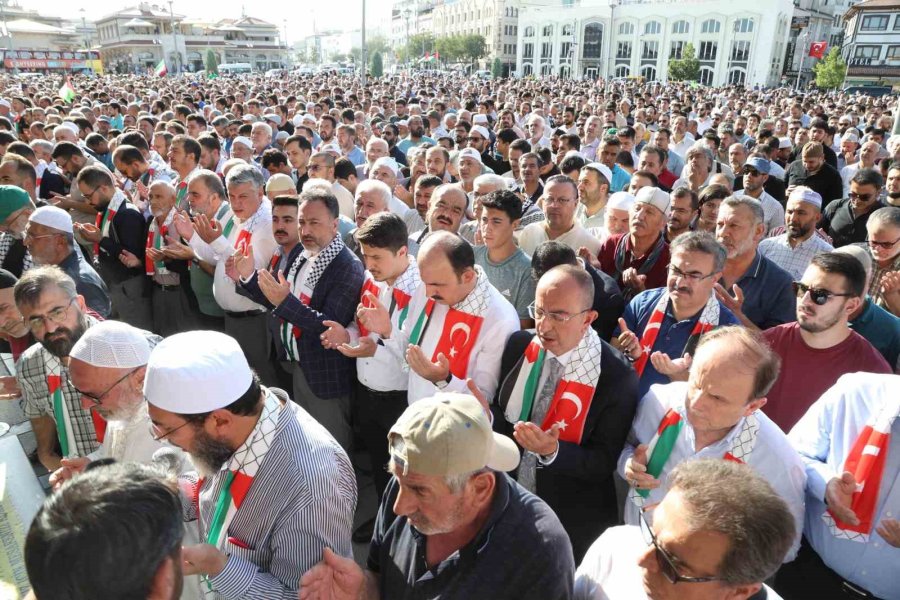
<point x="139" y="23"/>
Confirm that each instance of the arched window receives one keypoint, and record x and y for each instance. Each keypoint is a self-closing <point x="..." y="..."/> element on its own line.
<point x="547" y="31"/>
<point x="529" y="31"/>
<point x="736" y="77"/>
<point x="680" y="27"/>
<point x="711" y="26"/>
<point x="626" y="28"/>
<point x="648" y="72"/>
<point x="622" y="71"/>
<point x="743" y="26"/>
<point x="652" y="28"/>
<point x="706" y="76"/>
<point x="593" y="41"/>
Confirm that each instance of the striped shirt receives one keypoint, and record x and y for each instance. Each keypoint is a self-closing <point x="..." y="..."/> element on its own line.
<point x="302" y="499"/>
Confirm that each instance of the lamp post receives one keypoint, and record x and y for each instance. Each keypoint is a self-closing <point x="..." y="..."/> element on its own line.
<point x="406" y="14"/>
<point x="177" y="58"/>
<point x="612" y="19"/>
<point x="362" y="53"/>
<point x="803" y="50"/>
<point x="287" y="52"/>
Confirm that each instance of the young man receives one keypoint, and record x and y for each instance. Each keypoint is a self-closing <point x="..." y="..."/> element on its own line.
<point x="507" y="267"/>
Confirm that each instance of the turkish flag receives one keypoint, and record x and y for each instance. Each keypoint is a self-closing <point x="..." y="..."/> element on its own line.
<point x="817" y="49"/>
<point x="457" y="340"/>
<point x="569" y="409"/>
<point x="368" y="286"/>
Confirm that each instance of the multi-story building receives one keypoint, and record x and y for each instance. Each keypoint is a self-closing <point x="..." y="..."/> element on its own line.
<point x="135" y="39"/>
<point x="872" y="43"/>
<point x="812" y="21"/>
<point x="34" y="42"/>
<point x="735" y="43"/>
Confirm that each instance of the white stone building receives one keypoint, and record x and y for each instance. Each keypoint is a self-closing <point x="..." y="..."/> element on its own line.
<point x="736" y="43"/>
<point x="872" y="43"/>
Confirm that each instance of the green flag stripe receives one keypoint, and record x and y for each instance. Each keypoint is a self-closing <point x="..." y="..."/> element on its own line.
<point x="531" y="386"/>
<point x="661" y="452"/>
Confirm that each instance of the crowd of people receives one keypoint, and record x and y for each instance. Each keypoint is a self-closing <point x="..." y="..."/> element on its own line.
<point x="587" y="339"/>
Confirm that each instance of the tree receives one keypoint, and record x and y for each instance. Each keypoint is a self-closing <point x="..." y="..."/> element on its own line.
<point x="474" y="47"/>
<point x="212" y="62"/>
<point x="497" y="68"/>
<point x="830" y="72"/>
<point x="450" y="48"/>
<point x="687" y="68"/>
<point x="377" y="67"/>
<point x="418" y="46"/>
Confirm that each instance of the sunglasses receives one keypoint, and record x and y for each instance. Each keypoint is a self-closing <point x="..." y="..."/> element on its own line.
<point x="664" y="560"/>
<point x="818" y="295"/>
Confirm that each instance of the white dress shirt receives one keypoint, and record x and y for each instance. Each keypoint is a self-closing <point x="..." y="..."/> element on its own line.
<point x="500" y="321"/>
<point x="773" y="457"/>
<point x="535" y="234"/>
<point x="263" y="243"/>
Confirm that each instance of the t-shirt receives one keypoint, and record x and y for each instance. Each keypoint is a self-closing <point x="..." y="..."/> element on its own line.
<point x="492" y="565"/>
<point x="536" y="234"/>
<point x="806" y="373"/>
<point x="881" y="329"/>
<point x="512" y="278"/>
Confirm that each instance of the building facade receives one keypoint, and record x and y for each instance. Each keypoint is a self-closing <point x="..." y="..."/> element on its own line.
<point x="735" y="43"/>
<point x="135" y="39"/>
<point x="872" y="43"/>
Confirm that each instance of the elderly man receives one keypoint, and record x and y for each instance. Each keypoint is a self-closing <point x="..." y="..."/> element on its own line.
<point x="375" y="148"/>
<point x="457" y="326"/>
<point x="56" y="314"/>
<point x="845" y="220"/>
<point x="577" y="444"/>
<point x="321" y="166"/>
<point x="884" y="246"/>
<point x="755" y="289"/>
<point x="445" y="212"/>
<point x="372" y="197"/>
<point x="638" y="259"/>
<point x="536" y="132"/>
<point x="50" y="241"/>
<point x="118" y="237"/>
<point x="718" y="412"/>
<point x="698" y="170"/>
<point x="560" y="201"/>
<point x="720" y="531"/>
<point x="831" y="289"/>
<point x="681" y="312"/>
<point x="867" y="155"/>
<point x="254" y="450"/>
<point x="387" y="171"/>
<point x="450" y="499"/>
<point x="796" y="247"/>
<point x="249" y="223"/>
<point x="848" y="440"/>
<point x="813" y="172"/>
<point x="755" y="174"/>
<point x="261" y="138"/>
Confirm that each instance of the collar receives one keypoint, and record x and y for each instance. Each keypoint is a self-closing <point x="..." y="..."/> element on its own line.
<point x="562" y="358"/>
<point x="867" y="314"/>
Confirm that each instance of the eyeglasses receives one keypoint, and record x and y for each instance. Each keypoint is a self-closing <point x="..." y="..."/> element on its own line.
<point x="558" y="317"/>
<point x="818" y="295"/>
<point x="863" y="197"/>
<point x="92" y="192"/>
<point x="98" y="400"/>
<point x="665" y="561"/>
<point x="157" y="434"/>
<point x="883" y="245"/>
<point x="31" y="236"/>
<point x="692" y="276"/>
<point x="549" y="201"/>
<point x="56" y="315"/>
<point x="474" y="139"/>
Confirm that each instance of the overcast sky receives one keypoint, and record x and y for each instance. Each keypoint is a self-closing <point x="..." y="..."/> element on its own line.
<point x="340" y="14"/>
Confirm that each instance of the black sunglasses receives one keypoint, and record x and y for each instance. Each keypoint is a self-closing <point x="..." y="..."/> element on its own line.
<point x="818" y="295"/>
<point x="666" y="563"/>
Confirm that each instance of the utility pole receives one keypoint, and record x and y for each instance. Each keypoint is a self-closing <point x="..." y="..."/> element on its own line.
<point x="362" y="54"/>
<point x="174" y="38"/>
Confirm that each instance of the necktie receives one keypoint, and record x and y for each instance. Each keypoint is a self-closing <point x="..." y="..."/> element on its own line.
<point x="528" y="465"/>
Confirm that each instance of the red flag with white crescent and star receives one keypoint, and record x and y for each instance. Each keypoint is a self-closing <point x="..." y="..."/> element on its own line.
<point x="817" y="49"/>
<point x="569" y="409"/>
<point x="457" y="340"/>
<point x="368" y="286"/>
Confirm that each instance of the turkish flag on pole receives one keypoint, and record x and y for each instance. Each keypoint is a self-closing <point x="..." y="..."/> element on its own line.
<point x="457" y="340"/>
<point x="817" y="49"/>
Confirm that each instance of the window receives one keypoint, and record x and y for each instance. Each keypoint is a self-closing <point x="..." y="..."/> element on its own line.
<point x="565" y="50"/>
<point x="650" y="50"/>
<point x="740" y="51"/>
<point x="680" y="27"/>
<point x="652" y="28"/>
<point x="527" y="70"/>
<point x="896" y="23"/>
<point x="874" y="23"/>
<point x="567" y="30"/>
<point x="623" y="50"/>
<point x="622" y="71"/>
<point x="593" y="41"/>
<point x="648" y="72"/>
<point x="711" y="26"/>
<point x="736" y="77"/>
<point x="893" y="53"/>
<point x="529" y="32"/>
<point x="626" y="29"/>
<point x="706" y="76"/>
<point x="708" y="50"/>
<point x="867" y="52"/>
<point x="528" y="51"/>
<point x="743" y="26"/>
<point x="546" y="50"/>
<point x="676" y="50"/>
<point x="548" y="31"/>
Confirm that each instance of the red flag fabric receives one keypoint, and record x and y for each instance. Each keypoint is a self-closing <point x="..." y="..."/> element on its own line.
<point x="817" y="49"/>
<point x="368" y="286"/>
<point x="457" y="340"/>
<point x="569" y="409"/>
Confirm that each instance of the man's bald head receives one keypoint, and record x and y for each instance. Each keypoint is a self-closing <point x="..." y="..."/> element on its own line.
<point x="572" y="277"/>
<point x="443" y="245"/>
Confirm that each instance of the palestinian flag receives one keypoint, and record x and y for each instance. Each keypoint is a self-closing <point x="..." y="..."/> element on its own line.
<point x="67" y="91"/>
<point x="161" y="70"/>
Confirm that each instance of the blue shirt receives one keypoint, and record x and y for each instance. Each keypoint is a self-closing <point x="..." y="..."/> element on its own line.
<point x="881" y="329"/>
<point x="356" y="156"/>
<point x="673" y="335"/>
<point x="406" y="143"/>
<point x="768" y="296"/>
<point x="824" y="437"/>
<point x="621" y="179"/>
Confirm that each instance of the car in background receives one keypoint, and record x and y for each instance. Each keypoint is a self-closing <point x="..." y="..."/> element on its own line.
<point x="876" y="91"/>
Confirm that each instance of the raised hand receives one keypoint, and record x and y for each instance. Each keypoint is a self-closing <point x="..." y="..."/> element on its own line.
<point x="534" y="439"/>
<point x="129" y="260"/>
<point x="334" y="336"/>
<point x="90" y="233"/>
<point x="183" y="225"/>
<point x="208" y="229"/>
<point x="244" y="262"/>
<point x="377" y="318"/>
<point x="424" y="367"/>
<point x="676" y="369"/>
<point x="636" y="470"/>
<point x="334" y="578"/>
<point x="275" y="290"/>
<point x="839" y="497"/>
<point x="628" y="341"/>
<point x="364" y="348"/>
<point x="732" y="303"/>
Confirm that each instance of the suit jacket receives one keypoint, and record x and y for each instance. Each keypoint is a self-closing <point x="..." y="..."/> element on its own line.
<point x="578" y="484"/>
<point x="127" y="232"/>
<point x="329" y="373"/>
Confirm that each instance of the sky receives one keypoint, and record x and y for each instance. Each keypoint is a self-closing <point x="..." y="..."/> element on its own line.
<point x="339" y="14"/>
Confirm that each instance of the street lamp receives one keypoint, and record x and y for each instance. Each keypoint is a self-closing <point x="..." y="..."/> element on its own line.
<point x="177" y="58"/>
<point x="612" y="20"/>
<point x="803" y="52"/>
<point x="406" y="14"/>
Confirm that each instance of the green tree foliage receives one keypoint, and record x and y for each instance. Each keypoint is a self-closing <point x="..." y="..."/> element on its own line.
<point x="830" y="71"/>
<point x="377" y="66"/>
<point x="212" y="63"/>
<point x="687" y="68"/>
<point x="497" y="68"/>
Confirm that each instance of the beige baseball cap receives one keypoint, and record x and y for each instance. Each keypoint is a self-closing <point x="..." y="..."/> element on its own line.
<point x="448" y="434"/>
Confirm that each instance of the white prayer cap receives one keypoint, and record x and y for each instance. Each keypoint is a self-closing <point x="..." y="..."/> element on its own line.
<point x="297" y="120"/>
<point x="112" y="345"/>
<point x="390" y="163"/>
<point x="860" y="254"/>
<point x="196" y="372"/>
<point x="52" y="217"/>
<point x="654" y="197"/>
<point x="308" y="118"/>
<point x="471" y="153"/>
<point x="403" y="123"/>
<point x="241" y="139"/>
<point x="480" y="119"/>
<point x="282" y="135"/>
<point x="482" y="131"/>
<point x="850" y="136"/>
<point x="70" y="126"/>
<point x="802" y="193"/>
<point x="273" y="117"/>
<point x="5" y="103"/>
<point x="621" y="201"/>
<point x="599" y="168"/>
<point x="784" y="143"/>
<point x="333" y="148"/>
